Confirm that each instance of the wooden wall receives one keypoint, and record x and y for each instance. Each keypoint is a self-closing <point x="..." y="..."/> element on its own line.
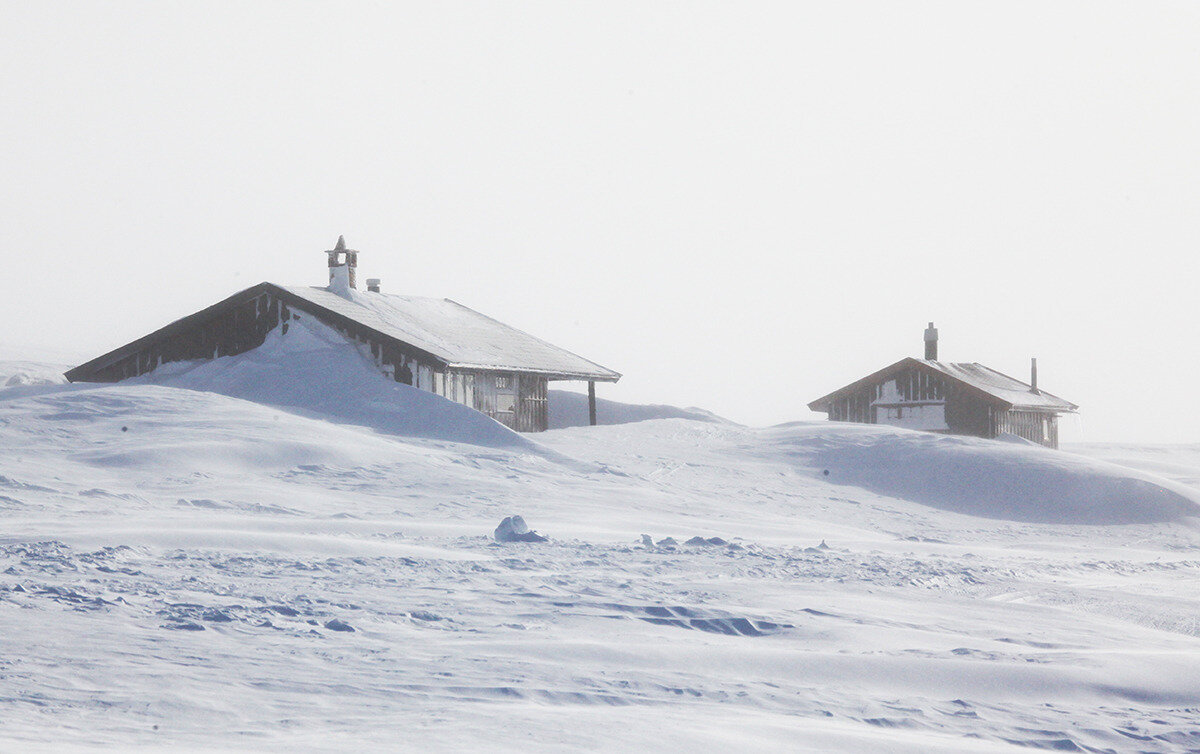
<point x="239" y="328"/>
<point x="1038" y="426"/>
<point x="514" y="399"/>
<point x="966" y="413"/>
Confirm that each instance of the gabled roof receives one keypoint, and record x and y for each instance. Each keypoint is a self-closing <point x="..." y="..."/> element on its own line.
<point x="984" y="382"/>
<point x="439" y="329"/>
<point x="461" y="337"/>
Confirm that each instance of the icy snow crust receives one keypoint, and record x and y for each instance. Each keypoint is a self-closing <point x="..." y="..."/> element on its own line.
<point x="188" y="569"/>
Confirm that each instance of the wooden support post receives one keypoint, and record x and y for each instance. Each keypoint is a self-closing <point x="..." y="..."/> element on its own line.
<point x="592" y="402"/>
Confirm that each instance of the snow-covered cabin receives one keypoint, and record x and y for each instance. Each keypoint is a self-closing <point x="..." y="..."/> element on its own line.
<point x="959" y="398"/>
<point x="434" y="344"/>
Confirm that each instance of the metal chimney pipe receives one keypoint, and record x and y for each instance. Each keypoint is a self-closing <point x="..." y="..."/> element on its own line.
<point x="931" y="343"/>
<point x="1033" y="388"/>
<point x="373" y="285"/>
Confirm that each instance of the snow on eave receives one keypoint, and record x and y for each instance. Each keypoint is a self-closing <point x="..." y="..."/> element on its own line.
<point x="556" y="363"/>
<point x="610" y="375"/>
<point x="1017" y="394"/>
<point x="456" y="335"/>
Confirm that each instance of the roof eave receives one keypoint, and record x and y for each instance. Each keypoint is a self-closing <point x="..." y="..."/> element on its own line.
<point x="80" y="373"/>
<point x="548" y="374"/>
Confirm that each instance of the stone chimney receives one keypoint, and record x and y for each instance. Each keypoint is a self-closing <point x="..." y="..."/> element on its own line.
<point x="373" y="285"/>
<point x="931" y="343"/>
<point x="1033" y="388"/>
<point x="343" y="266"/>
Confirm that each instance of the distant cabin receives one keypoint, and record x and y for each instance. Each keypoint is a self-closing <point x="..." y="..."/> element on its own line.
<point x="432" y="344"/>
<point x="959" y="399"/>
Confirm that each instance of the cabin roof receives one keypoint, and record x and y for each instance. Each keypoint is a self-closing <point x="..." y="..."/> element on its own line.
<point x="441" y="329"/>
<point x="455" y="334"/>
<point x="985" y="382"/>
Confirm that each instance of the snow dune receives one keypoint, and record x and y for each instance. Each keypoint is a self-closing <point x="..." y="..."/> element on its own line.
<point x="1015" y="481"/>
<point x="570" y="409"/>
<point x="314" y="371"/>
<point x="282" y="551"/>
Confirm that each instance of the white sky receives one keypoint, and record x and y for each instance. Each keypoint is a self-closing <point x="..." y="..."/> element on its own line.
<point x="739" y="206"/>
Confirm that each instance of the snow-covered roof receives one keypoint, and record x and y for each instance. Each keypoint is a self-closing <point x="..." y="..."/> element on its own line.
<point x="1008" y="391"/>
<point x="459" y="336"/>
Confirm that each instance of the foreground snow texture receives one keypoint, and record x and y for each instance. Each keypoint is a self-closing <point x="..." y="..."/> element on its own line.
<point x="188" y="569"/>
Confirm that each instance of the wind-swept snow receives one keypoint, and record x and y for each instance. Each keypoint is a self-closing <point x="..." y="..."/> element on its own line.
<point x="183" y="569"/>
<point x="570" y="409"/>
<point x="314" y="370"/>
<point x="1016" y="481"/>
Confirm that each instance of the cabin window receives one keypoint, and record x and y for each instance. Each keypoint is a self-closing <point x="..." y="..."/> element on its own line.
<point x="503" y="382"/>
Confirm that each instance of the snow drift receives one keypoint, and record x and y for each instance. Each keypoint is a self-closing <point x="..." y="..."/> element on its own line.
<point x="570" y="409"/>
<point x="313" y="370"/>
<point x="181" y="569"/>
<point x="1003" y="480"/>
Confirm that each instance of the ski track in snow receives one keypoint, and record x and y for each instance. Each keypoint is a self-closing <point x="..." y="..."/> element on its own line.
<point x="186" y="569"/>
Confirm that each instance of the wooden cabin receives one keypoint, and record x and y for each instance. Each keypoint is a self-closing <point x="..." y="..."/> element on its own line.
<point x="952" y="398"/>
<point x="433" y="344"/>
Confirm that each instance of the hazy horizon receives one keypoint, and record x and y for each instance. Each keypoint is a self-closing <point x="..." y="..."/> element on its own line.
<point x="740" y="208"/>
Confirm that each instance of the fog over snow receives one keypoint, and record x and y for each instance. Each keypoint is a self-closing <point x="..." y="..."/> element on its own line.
<point x="740" y="206"/>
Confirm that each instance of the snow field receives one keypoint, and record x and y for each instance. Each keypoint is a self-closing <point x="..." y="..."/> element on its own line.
<point x="174" y="556"/>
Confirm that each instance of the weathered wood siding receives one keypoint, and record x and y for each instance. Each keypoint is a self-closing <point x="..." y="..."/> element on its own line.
<point x="885" y="402"/>
<point x="965" y="412"/>
<point x="532" y="404"/>
<point x="514" y="399"/>
<point x="237" y="329"/>
<point x="1037" y="426"/>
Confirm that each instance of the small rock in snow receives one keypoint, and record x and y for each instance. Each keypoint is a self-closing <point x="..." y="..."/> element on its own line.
<point x="425" y="615"/>
<point x="717" y="541"/>
<point x="514" y="529"/>
<point x="667" y="542"/>
<point x="338" y="625"/>
<point x="647" y="541"/>
<point x="186" y="625"/>
<point x="823" y="546"/>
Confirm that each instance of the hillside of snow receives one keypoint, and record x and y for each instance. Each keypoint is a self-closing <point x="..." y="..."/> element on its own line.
<point x="570" y="409"/>
<point x="279" y="551"/>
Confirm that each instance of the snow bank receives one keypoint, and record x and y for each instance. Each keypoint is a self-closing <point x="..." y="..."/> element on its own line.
<point x="570" y="409"/>
<point x="30" y="373"/>
<point x="1003" y="480"/>
<point x="313" y="370"/>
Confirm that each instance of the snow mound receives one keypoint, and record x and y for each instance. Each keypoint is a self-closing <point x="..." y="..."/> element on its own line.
<point x="1001" y="480"/>
<point x="514" y="529"/>
<point x="570" y="409"/>
<point x="30" y="373"/>
<point x="316" y="372"/>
